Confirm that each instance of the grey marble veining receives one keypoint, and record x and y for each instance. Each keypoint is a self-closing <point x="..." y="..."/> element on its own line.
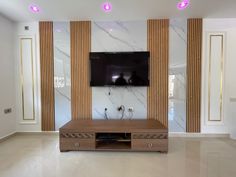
<point x="179" y="26"/>
<point x="119" y="36"/>
<point x="62" y="79"/>
<point x="178" y="43"/>
<point x="177" y="71"/>
<point x="113" y="97"/>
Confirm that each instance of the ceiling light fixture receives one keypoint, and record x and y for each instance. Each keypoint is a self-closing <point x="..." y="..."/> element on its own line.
<point x="183" y="4"/>
<point x="106" y="7"/>
<point x="34" y="8"/>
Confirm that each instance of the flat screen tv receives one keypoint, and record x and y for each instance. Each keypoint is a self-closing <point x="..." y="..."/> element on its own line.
<point x="119" y="68"/>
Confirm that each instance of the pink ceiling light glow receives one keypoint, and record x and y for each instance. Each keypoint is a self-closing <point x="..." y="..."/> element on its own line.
<point x="34" y="8"/>
<point x="183" y="4"/>
<point x="106" y="7"/>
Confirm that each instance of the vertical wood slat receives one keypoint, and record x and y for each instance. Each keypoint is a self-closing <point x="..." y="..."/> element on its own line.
<point x="158" y="45"/>
<point x="47" y="76"/>
<point x="194" y="60"/>
<point x="81" y="93"/>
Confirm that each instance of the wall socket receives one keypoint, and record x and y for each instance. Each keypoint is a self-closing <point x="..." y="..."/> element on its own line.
<point x="131" y="109"/>
<point x="7" y="111"/>
<point x="26" y="28"/>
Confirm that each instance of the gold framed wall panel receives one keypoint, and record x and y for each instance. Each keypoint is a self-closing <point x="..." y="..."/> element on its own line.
<point x="47" y="76"/>
<point x="194" y="62"/>
<point x="210" y="74"/>
<point x="158" y="45"/>
<point x="81" y="92"/>
<point x="23" y="79"/>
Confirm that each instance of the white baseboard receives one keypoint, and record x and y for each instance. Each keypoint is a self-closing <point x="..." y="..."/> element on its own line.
<point x="4" y="138"/>
<point x="199" y="135"/>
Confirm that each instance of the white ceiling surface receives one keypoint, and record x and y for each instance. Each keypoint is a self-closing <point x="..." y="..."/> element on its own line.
<point x="59" y="10"/>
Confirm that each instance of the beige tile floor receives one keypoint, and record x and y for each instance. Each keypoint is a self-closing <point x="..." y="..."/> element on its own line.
<point x="39" y="156"/>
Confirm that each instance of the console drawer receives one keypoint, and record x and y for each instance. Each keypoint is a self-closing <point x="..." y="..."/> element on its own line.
<point x="150" y="145"/>
<point x="69" y="144"/>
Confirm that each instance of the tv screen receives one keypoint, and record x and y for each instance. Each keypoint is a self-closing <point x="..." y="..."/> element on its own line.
<point x="119" y="68"/>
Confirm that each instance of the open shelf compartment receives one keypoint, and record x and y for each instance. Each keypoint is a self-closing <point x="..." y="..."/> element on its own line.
<point x="113" y="141"/>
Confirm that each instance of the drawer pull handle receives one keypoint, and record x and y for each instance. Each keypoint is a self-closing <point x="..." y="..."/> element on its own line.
<point x="77" y="145"/>
<point x="150" y="145"/>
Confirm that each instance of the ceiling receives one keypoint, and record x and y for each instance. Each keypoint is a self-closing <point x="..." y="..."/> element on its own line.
<point x="60" y="10"/>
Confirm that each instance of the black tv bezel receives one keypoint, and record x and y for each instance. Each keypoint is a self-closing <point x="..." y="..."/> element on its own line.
<point x="107" y="85"/>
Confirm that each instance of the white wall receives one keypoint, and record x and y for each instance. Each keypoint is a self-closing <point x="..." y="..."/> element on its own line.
<point x="33" y="33"/>
<point x="7" y="80"/>
<point x="227" y="27"/>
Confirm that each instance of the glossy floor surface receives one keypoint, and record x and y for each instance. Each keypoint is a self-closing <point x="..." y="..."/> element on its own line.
<point x="39" y="156"/>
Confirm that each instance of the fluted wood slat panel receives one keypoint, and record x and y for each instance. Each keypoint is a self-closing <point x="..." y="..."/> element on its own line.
<point x="47" y="76"/>
<point x="158" y="45"/>
<point x="81" y="94"/>
<point x="194" y="57"/>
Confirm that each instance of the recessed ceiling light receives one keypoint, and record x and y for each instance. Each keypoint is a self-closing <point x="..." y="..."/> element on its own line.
<point x="34" y="8"/>
<point x="106" y="7"/>
<point x="183" y="4"/>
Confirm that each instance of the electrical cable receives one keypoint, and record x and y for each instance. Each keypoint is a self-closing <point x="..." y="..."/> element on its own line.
<point x="122" y="108"/>
<point x="105" y="114"/>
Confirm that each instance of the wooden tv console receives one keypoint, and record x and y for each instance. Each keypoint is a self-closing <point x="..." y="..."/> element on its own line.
<point x="114" y="135"/>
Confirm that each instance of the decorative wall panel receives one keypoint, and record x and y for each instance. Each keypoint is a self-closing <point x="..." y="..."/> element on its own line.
<point x="47" y="76"/>
<point x="215" y="76"/>
<point x="158" y="45"/>
<point x="62" y="79"/>
<point x="177" y="75"/>
<point x="111" y="37"/>
<point x="81" y="92"/>
<point x="194" y="61"/>
<point x="27" y="78"/>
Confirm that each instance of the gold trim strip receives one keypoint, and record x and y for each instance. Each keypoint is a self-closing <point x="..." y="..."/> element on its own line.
<point x="221" y="77"/>
<point x="22" y="79"/>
